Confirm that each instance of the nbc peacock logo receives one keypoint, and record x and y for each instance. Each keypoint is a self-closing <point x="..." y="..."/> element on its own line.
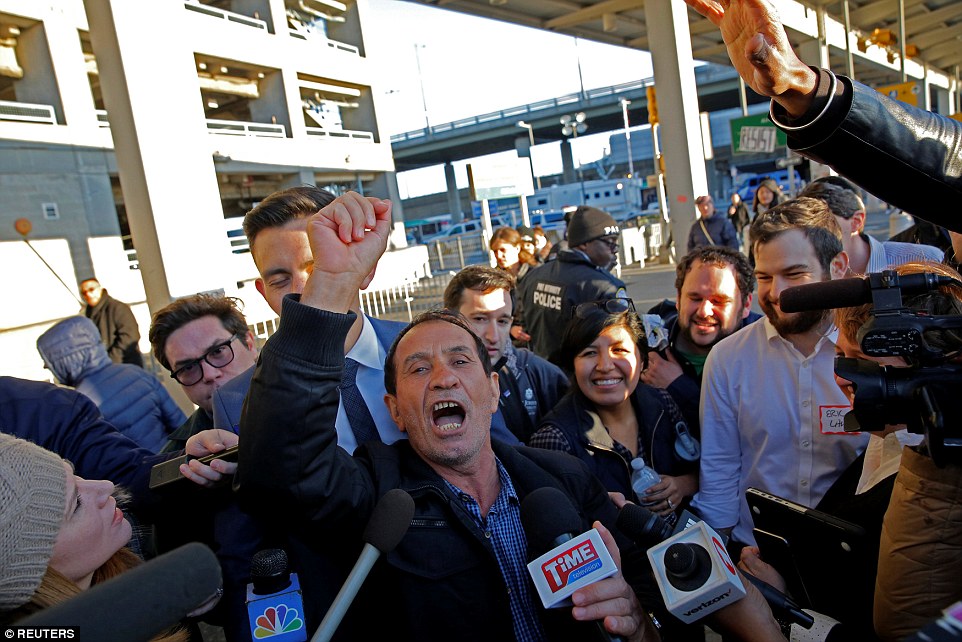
<point x="277" y="621"/>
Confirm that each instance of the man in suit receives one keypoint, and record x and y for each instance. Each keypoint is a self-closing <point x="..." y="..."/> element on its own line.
<point x="277" y="232"/>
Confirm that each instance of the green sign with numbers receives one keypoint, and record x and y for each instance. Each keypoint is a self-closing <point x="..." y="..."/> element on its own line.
<point x="756" y="134"/>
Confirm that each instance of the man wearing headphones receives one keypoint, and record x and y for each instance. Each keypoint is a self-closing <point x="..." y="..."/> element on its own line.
<point x="715" y="286"/>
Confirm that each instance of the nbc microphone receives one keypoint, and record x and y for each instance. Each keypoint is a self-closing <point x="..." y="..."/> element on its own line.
<point x="572" y="561"/>
<point x="385" y="530"/>
<point x="275" y="607"/>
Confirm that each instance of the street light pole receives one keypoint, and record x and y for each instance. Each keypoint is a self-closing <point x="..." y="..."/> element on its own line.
<point x="572" y="126"/>
<point x="530" y="128"/>
<point x="624" y="112"/>
<point x="424" y="101"/>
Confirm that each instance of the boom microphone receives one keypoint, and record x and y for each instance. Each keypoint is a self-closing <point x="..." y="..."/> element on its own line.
<point x="838" y="293"/>
<point x="143" y="601"/>
<point x="846" y="293"/>
<point x="385" y="530"/>
<point x="571" y="561"/>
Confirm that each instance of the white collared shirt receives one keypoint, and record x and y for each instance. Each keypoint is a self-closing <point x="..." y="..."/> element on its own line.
<point x="370" y="355"/>
<point x="771" y="418"/>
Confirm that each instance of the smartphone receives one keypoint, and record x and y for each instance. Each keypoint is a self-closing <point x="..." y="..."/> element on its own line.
<point x="777" y="551"/>
<point x="168" y="472"/>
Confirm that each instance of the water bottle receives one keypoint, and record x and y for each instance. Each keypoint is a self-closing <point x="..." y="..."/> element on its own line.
<point x="643" y="477"/>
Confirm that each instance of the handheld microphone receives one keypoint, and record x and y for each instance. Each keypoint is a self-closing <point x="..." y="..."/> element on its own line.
<point x="275" y="607"/>
<point x="142" y="602"/>
<point x="385" y="530"/>
<point x="572" y="561"/>
<point x="648" y="529"/>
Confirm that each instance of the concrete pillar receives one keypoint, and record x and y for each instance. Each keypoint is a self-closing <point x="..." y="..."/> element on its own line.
<point x="680" y="135"/>
<point x="271" y="105"/>
<point x="159" y="143"/>
<point x="454" y="195"/>
<point x="567" y="162"/>
<point x="70" y="74"/>
<point x="812" y="53"/>
<point x="38" y="85"/>
<point x="384" y="185"/>
<point x="304" y="177"/>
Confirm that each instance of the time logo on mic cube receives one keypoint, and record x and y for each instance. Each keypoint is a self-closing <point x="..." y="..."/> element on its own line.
<point x="694" y="573"/>
<point x="566" y="568"/>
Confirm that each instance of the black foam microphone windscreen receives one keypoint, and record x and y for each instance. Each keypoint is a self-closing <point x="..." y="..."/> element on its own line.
<point x="839" y="293"/>
<point x="389" y="521"/>
<point x="143" y="601"/>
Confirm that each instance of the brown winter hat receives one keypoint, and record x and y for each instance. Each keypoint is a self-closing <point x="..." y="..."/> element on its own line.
<point x="33" y="487"/>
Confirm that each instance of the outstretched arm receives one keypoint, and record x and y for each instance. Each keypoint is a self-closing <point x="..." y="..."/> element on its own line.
<point x="759" y="49"/>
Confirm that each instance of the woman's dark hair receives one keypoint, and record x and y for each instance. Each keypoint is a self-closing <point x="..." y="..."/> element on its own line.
<point x="584" y="329"/>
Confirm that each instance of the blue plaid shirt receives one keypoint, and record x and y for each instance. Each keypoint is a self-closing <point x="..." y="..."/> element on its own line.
<point x="503" y="527"/>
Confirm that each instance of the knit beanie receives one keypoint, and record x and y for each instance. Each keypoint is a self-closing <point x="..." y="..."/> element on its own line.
<point x="588" y="224"/>
<point x="527" y="234"/>
<point x="33" y="487"/>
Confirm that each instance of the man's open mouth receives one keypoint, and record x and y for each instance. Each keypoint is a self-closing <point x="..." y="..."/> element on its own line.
<point x="447" y="415"/>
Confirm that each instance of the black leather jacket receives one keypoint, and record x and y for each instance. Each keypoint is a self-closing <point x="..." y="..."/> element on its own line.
<point x="909" y="157"/>
<point x="442" y="582"/>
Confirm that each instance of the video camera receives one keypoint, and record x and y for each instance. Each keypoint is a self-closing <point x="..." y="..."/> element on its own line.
<point x="923" y="395"/>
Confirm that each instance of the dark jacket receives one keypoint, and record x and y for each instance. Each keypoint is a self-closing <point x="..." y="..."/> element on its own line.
<point x="551" y="292"/>
<point x="69" y="424"/>
<point x="442" y="582"/>
<point x="118" y="329"/>
<point x="686" y="389"/>
<point x="719" y="228"/>
<point x="906" y="156"/>
<point x="739" y="217"/>
<point x="131" y="399"/>
<point x="530" y="388"/>
<point x="590" y="442"/>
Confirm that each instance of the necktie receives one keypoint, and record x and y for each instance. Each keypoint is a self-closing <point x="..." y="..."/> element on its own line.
<point x="362" y="423"/>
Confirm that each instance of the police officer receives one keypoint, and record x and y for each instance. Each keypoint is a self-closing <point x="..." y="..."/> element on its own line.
<point x="581" y="274"/>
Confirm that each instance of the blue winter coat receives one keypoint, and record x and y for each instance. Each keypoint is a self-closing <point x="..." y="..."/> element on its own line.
<point x="130" y="398"/>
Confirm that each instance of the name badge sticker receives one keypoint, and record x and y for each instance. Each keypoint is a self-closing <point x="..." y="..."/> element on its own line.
<point x="831" y="420"/>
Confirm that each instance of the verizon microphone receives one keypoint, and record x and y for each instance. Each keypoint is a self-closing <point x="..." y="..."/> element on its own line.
<point x="387" y="526"/>
<point x="275" y="608"/>
<point x="141" y="603"/>
<point x="573" y="561"/>
<point x="648" y="529"/>
<point x="694" y="573"/>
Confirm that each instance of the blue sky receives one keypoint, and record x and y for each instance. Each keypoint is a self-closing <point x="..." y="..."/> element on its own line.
<point x="472" y="65"/>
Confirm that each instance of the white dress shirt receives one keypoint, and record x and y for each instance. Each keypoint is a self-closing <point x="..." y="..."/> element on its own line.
<point x="772" y="419"/>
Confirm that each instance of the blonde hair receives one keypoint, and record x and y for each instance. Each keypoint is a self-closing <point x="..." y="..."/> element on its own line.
<point x="56" y="588"/>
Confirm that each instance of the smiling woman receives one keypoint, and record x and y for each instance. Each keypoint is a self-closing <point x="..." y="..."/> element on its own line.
<point x="610" y="418"/>
<point x="60" y="533"/>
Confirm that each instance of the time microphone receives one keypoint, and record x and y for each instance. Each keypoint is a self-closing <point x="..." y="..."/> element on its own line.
<point x="142" y="602"/>
<point x="385" y="530"/>
<point x="572" y="560"/>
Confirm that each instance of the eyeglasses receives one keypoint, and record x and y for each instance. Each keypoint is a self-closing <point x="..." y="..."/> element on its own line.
<point x="611" y="306"/>
<point x="218" y="356"/>
<point x="612" y="243"/>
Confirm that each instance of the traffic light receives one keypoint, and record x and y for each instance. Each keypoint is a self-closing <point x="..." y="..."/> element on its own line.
<point x="652" y="105"/>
